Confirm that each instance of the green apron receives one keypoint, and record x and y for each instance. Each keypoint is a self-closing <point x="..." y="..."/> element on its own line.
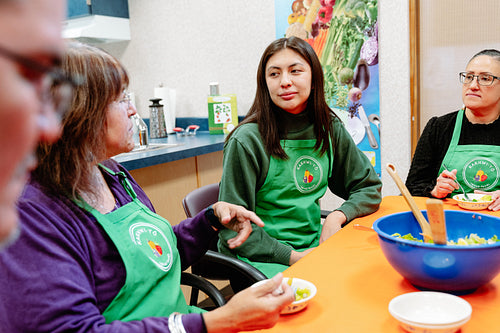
<point x="476" y="165"/>
<point x="148" y="248"/>
<point x="288" y="201"/>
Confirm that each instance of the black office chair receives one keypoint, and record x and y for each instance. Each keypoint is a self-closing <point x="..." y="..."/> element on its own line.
<point x="198" y="284"/>
<point x="214" y="265"/>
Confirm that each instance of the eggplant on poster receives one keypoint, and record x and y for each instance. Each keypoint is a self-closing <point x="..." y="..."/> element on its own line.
<point x="344" y="34"/>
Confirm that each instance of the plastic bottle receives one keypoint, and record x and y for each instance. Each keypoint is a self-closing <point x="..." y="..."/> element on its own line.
<point x="140" y="132"/>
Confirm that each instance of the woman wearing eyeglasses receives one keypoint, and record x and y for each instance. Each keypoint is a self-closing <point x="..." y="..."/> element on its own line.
<point x="463" y="147"/>
<point x="92" y="255"/>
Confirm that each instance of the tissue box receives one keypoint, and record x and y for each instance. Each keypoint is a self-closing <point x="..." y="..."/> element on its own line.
<point x="222" y="114"/>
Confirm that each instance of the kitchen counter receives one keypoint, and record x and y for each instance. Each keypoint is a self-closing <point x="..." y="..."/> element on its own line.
<point x="168" y="174"/>
<point x="187" y="146"/>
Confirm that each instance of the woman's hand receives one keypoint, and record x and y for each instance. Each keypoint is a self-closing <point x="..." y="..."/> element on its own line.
<point x="445" y="184"/>
<point x="236" y="218"/>
<point x="495" y="196"/>
<point x="254" y="308"/>
<point x="332" y="224"/>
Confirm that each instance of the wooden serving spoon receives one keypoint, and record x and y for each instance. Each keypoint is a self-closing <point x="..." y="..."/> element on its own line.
<point x="437" y="221"/>
<point x="424" y="225"/>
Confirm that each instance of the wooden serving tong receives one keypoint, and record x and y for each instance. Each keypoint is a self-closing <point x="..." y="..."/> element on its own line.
<point x="424" y="225"/>
<point x="435" y="214"/>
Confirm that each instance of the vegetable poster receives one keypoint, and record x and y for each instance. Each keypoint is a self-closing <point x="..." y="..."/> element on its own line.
<point x="344" y="35"/>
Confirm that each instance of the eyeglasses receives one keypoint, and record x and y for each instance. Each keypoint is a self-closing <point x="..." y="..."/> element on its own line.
<point x="125" y="99"/>
<point x="482" y="79"/>
<point x="56" y="88"/>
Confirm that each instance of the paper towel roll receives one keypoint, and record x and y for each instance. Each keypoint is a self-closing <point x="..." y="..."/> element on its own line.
<point x="167" y="96"/>
<point x="171" y="107"/>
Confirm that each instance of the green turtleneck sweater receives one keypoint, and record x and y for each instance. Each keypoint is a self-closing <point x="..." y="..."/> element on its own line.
<point x="246" y="164"/>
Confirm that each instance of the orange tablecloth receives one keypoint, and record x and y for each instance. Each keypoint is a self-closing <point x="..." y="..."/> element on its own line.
<point x="356" y="283"/>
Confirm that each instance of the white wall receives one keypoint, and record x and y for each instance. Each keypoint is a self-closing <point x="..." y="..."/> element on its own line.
<point x="394" y="72"/>
<point x="446" y="45"/>
<point x="187" y="44"/>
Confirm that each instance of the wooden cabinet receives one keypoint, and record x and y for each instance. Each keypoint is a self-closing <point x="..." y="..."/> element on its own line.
<point x="116" y="8"/>
<point x="167" y="184"/>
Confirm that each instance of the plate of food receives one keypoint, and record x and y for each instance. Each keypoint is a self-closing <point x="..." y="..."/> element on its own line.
<point x="476" y="201"/>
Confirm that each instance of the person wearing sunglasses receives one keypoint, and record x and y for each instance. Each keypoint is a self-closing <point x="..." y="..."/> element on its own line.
<point x="30" y="53"/>
<point x="463" y="147"/>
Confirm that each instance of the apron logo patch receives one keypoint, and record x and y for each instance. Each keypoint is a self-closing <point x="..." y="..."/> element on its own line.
<point x="157" y="250"/>
<point x="153" y="243"/>
<point x="481" y="174"/>
<point x="308" y="178"/>
<point x="307" y="173"/>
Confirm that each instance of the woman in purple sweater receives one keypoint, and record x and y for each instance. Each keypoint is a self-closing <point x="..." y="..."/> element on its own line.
<point x="92" y="255"/>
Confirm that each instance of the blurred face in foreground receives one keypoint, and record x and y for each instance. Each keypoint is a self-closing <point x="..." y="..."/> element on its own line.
<point x="30" y="33"/>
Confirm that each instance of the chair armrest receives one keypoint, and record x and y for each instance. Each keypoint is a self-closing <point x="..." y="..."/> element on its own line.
<point x="244" y="268"/>
<point x="208" y="288"/>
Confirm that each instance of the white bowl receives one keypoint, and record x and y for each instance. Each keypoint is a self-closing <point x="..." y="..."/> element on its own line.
<point x="296" y="284"/>
<point x="430" y="312"/>
<point x="300" y="304"/>
<point x="472" y="205"/>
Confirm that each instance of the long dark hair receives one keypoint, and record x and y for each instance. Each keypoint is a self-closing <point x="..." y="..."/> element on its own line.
<point x="263" y="110"/>
<point x="66" y="165"/>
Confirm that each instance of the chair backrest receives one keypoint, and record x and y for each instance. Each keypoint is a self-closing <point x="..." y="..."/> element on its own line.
<point x="199" y="199"/>
<point x="215" y="265"/>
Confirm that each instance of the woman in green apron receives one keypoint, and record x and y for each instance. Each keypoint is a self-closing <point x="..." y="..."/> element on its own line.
<point x="467" y="141"/>
<point x="93" y="256"/>
<point x="284" y="155"/>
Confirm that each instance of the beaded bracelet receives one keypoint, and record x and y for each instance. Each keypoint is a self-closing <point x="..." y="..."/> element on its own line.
<point x="175" y="323"/>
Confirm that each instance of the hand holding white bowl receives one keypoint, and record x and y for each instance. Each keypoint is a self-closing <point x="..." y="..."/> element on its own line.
<point x="306" y="289"/>
<point x="495" y="197"/>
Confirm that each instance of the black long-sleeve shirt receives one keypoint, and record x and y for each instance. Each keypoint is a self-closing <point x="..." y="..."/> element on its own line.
<point x="433" y="145"/>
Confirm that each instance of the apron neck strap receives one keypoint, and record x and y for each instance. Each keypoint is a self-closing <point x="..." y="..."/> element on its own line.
<point x="123" y="180"/>
<point x="458" y="127"/>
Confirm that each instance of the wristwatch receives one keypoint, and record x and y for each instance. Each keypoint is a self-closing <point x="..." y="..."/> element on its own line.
<point x="214" y="220"/>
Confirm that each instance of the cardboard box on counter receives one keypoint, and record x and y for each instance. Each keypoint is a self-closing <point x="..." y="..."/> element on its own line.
<point x="222" y="113"/>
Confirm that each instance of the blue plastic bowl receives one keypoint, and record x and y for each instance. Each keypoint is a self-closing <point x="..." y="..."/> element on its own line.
<point x="458" y="269"/>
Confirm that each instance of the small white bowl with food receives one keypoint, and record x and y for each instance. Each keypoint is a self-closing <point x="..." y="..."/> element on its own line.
<point x="304" y="292"/>
<point x="476" y="201"/>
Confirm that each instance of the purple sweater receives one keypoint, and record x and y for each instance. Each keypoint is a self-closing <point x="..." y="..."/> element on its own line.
<point x="64" y="270"/>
